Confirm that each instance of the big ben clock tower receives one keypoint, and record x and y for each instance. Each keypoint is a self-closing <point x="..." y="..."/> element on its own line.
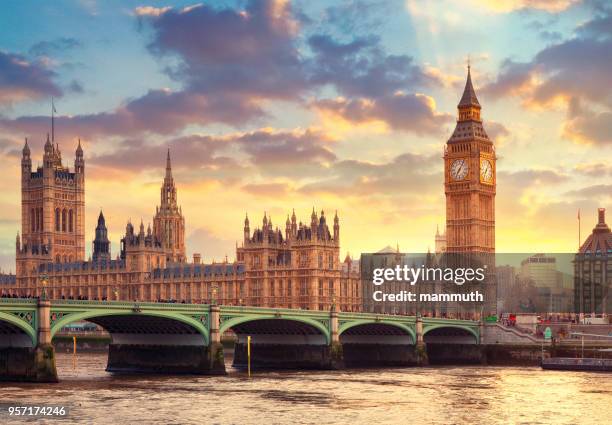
<point x="469" y="180"/>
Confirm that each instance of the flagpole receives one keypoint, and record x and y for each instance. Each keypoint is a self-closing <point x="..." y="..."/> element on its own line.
<point x="52" y="121"/>
<point x="579" y="230"/>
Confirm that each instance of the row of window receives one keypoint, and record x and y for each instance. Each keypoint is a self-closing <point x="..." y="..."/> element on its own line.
<point x="64" y="220"/>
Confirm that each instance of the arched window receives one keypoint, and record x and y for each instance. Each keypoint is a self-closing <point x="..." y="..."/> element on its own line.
<point x="32" y="220"/>
<point x="65" y="258"/>
<point x="57" y="258"/>
<point x="57" y="220"/>
<point x="70" y="218"/>
<point x="63" y="220"/>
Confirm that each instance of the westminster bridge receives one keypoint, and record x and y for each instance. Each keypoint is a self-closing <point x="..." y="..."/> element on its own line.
<point x="186" y="338"/>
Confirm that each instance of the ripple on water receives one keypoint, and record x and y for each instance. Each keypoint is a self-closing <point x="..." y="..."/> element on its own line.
<point x="438" y="395"/>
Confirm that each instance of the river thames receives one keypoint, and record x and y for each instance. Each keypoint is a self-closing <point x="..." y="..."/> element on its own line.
<point x="439" y="395"/>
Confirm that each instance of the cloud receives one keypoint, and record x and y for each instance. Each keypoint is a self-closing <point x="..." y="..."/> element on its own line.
<point x="404" y="112"/>
<point x="158" y="111"/>
<point x="575" y="74"/>
<point x="362" y="68"/>
<point x="598" y="191"/>
<point x="505" y="6"/>
<point x="354" y="178"/>
<point x="268" y="190"/>
<point x="231" y="157"/>
<point x="245" y="52"/>
<point x="210" y="246"/>
<point x="151" y="11"/>
<point x="21" y="79"/>
<point x="587" y="126"/>
<point x="60" y="45"/>
<point x="526" y="178"/>
<point x="594" y="169"/>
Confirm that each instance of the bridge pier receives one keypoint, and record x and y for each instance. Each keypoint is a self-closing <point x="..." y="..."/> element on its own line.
<point x="44" y="355"/>
<point x="216" y="359"/>
<point x="22" y="363"/>
<point x="421" y="347"/>
<point x="336" y="353"/>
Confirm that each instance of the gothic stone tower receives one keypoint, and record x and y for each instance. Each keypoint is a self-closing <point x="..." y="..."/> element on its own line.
<point x="52" y="210"/>
<point x="469" y="180"/>
<point x="169" y="223"/>
<point x="101" y="244"/>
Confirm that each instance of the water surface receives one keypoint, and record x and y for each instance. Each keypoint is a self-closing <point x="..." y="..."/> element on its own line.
<point x="438" y="395"/>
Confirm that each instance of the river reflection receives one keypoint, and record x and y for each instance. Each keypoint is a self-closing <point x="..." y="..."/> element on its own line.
<point x="395" y="396"/>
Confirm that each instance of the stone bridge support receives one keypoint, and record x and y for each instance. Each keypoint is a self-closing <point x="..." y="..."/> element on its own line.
<point x="44" y="352"/>
<point x="336" y="353"/>
<point x="24" y="358"/>
<point x="420" y="348"/>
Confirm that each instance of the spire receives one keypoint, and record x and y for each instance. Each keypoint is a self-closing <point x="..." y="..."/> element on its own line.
<point x="53" y="111"/>
<point x="101" y="220"/>
<point x="26" y="148"/>
<point x="469" y="94"/>
<point x="168" y="166"/>
<point x="48" y="145"/>
<point x="79" y="149"/>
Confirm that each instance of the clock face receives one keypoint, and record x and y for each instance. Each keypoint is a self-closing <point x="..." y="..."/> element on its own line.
<point x="486" y="171"/>
<point x="459" y="169"/>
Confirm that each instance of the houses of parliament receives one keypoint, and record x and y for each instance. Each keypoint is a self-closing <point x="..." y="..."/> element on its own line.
<point x="297" y="268"/>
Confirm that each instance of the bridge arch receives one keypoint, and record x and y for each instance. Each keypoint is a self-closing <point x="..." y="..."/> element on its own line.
<point x="93" y="314"/>
<point x="15" y="322"/>
<point x="466" y="330"/>
<point x="236" y="321"/>
<point x="365" y="322"/>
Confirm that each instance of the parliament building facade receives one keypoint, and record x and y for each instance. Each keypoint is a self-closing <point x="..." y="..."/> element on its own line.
<point x="297" y="268"/>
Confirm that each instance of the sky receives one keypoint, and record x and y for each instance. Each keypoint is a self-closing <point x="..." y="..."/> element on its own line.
<point x="273" y="105"/>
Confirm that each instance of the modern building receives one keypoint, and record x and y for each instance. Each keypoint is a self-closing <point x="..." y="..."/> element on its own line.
<point x="506" y="284"/>
<point x="593" y="271"/>
<point x="551" y="296"/>
<point x="298" y="269"/>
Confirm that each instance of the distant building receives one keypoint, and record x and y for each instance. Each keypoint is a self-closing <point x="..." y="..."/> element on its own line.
<point x="440" y="246"/>
<point x="506" y="284"/>
<point x="541" y="272"/>
<point x="593" y="270"/>
<point x="6" y="280"/>
<point x="387" y="257"/>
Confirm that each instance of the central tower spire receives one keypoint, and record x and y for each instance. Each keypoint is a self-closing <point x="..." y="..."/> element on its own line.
<point x="168" y="165"/>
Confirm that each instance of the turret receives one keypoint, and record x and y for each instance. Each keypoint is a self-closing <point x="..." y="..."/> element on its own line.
<point x="313" y="223"/>
<point x="336" y="228"/>
<point x="247" y="229"/>
<point x="101" y="244"/>
<point x="26" y="160"/>
<point x="79" y="162"/>
<point x="293" y="223"/>
<point x="48" y="157"/>
<point x="18" y="243"/>
<point x="288" y="228"/>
